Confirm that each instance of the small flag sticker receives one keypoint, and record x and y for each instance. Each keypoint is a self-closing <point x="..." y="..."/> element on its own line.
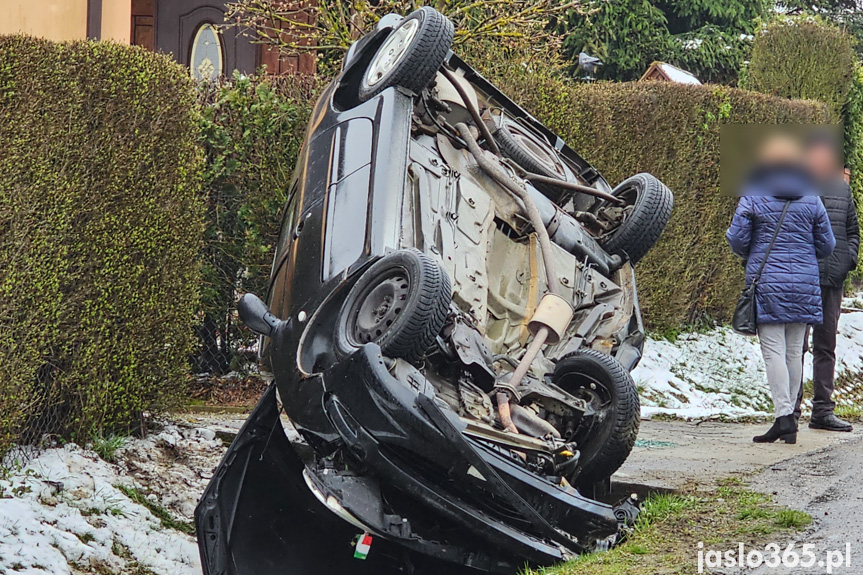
<point x="364" y="543"/>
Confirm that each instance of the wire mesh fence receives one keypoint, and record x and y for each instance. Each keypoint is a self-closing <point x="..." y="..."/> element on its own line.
<point x="41" y="417"/>
<point x="223" y="371"/>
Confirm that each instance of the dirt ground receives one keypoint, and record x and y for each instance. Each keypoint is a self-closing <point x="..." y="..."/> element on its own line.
<point x="677" y="454"/>
<point x="827" y="483"/>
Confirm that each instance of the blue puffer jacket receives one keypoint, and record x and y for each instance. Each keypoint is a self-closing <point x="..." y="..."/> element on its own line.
<point x="789" y="290"/>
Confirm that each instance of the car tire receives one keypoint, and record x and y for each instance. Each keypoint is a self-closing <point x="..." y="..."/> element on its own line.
<point x="530" y="151"/>
<point x="610" y="434"/>
<point x="640" y="230"/>
<point x="400" y="303"/>
<point x="426" y="36"/>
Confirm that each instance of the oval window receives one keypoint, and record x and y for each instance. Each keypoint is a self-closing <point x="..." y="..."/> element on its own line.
<point x="206" y="59"/>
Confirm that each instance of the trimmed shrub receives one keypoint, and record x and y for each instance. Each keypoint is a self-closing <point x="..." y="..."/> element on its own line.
<point x="251" y="129"/>
<point x="100" y="229"/>
<point x="672" y="131"/>
<point x="853" y="118"/>
<point x="803" y="58"/>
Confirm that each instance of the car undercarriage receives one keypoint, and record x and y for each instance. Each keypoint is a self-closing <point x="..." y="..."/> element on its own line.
<point x="450" y="326"/>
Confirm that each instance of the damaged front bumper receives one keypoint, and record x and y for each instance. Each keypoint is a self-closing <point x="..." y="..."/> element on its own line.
<point x="395" y="465"/>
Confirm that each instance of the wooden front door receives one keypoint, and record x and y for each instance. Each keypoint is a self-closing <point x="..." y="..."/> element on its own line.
<point x="184" y="27"/>
<point x="144" y="23"/>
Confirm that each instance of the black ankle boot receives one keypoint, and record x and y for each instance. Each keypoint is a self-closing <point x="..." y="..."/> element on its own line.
<point x="783" y="428"/>
<point x="829" y="422"/>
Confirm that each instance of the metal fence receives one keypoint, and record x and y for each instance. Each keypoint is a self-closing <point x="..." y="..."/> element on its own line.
<point x="224" y="369"/>
<point x="35" y="431"/>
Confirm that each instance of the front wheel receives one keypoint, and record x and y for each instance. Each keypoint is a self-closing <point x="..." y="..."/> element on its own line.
<point x="606" y="435"/>
<point x="400" y="303"/>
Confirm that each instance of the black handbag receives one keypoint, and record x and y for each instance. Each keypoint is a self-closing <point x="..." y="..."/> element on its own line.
<point x="745" y="319"/>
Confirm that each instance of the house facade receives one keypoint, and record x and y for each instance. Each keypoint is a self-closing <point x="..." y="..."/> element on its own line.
<point x="188" y="30"/>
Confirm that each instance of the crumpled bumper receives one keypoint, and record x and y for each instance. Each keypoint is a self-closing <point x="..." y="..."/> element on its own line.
<point x="429" y="495"/>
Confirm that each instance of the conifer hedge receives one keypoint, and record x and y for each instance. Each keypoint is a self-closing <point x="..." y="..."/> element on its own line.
<point x="672" y="131"/>
<point x="852" y="115"/>
<point x="101" y="220"/>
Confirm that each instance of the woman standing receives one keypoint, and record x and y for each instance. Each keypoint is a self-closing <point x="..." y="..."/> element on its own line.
<point x="788" y="293"/>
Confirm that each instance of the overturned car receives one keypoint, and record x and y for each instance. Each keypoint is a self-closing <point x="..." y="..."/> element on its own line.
<point x="451" y="322"/>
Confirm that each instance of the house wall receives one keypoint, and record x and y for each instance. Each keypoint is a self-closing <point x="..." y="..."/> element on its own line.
<point x="167" y="26"/>
<point x="52" y="19"/>
<point x="116" y="20"/>
<point x="67" y="19"/>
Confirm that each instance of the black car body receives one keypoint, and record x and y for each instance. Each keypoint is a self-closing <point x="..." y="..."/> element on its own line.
<point x="406" y="421"/>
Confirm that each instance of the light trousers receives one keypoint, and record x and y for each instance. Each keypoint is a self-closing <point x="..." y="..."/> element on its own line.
<point x="782" y="348"/>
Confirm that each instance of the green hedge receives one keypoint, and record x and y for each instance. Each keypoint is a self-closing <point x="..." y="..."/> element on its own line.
<point x="671" y="131"/>
<point x="852" y="115"/>
<point x="100" y="231"/>
<point x="803" y="58"/>
<point x="251" y="129"/>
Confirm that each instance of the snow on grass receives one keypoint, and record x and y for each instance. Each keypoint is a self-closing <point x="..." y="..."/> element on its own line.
<point x="849" y="342"/>
<point x="700" y="375"/>
<point x="721" y="373"/>
<point x="68" y="512"/>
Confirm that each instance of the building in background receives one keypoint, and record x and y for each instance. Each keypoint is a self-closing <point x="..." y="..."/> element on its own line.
<point x="188" y="30"/>
<point x="664" y="72"/>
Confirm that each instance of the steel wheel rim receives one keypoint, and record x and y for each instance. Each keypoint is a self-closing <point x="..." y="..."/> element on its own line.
<point x="391" y="52"/>
<point x="539" y="152"/>
<point x="378" y="308"/>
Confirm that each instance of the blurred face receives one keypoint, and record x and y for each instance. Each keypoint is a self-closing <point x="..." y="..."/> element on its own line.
<point x="780" y="150"/>
<point x="821" y="160"/>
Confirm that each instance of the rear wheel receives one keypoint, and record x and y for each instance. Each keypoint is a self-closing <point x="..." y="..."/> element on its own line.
<point x="411" y="55"/>
<point x="400" y="303"/>
<point x="606" y="435"/>
<point x="636" y="227"/>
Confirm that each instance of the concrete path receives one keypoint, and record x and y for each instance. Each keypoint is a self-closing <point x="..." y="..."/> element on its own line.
<point x="827" y="484"/>
<point x="676" y="454"/>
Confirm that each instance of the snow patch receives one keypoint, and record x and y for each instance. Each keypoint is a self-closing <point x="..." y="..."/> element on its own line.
<point x="675" y="74"/>
<point x="64" y="514"/>
<point x="721" y="373"/>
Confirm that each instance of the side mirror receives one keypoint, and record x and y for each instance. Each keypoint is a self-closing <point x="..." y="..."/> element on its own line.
<point x="255" y="314"/>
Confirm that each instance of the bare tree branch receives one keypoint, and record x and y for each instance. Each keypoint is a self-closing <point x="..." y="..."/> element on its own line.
<point x="328" y="27"/>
